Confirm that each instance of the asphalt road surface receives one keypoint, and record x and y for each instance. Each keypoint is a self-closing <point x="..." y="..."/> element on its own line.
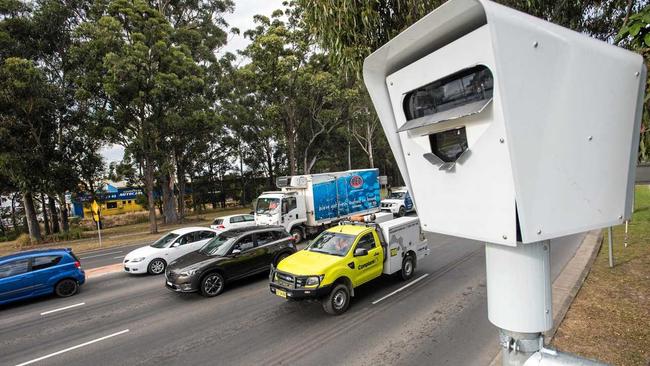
<point x="119" y="319"/>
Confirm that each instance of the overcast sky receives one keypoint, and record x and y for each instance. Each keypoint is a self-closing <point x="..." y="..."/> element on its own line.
<point x="241" y="18"/>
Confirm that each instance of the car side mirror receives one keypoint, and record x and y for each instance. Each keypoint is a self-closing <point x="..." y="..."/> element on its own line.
<point x="235" y="252"/>
<point x="360" y="252"/>
<point x="175" y="245"/>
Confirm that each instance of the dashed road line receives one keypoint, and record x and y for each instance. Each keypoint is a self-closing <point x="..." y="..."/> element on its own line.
<point x="73" y="348"/>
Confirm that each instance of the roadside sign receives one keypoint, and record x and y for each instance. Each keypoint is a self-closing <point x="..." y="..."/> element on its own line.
<point x="95" y="209"/>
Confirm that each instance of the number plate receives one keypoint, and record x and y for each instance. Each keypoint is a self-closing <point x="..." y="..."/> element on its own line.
<point x="169" y="283"/>
<point x="281" y="293"/>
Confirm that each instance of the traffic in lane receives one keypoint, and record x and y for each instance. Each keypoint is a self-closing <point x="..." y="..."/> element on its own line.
<point x="430" y="320"/>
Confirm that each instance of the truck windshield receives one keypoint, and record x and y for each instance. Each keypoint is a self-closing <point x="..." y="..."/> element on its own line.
<point x="165" y="241"/>
<point x="219" y="245"/>
<point x="332" y="243"/>
<point x="267" y="205"/>
<point x="397" y="195"/>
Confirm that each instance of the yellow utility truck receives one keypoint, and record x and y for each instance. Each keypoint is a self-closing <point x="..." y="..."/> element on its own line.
<point x="348" y="255"/>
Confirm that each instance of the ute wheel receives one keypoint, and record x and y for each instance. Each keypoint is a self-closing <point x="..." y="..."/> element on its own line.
<point x="408" y="267"/>
<point x="66" y="288"/>
<point x="338" y="301"/>
<point x="401" y="212"/>
<point x="297" y="234"/>
<point x="280" y="258"/>
<point x="156" y="266"/>
<point x="212" y="284"/>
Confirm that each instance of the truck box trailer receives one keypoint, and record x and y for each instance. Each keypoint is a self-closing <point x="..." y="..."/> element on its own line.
<point x="308" y="204"/>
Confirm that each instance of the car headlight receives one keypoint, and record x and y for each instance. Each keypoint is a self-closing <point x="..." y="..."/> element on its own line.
<point x="189" y="272"/>
<point x="137" y="259"/>
<point x="313" y="280"/>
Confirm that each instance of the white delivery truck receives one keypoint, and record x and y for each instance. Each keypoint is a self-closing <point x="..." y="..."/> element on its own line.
<point x="308" y="204"/>
<point x="399" y="202"/>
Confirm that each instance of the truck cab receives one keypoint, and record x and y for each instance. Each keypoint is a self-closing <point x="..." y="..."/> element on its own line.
<point x="286" y="209"/>
<point x="399" y="202"/>
<point x="346" y="256"/>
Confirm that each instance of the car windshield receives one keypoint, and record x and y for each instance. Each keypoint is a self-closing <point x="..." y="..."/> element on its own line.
<point x="332" y="243"/>
<point x="267" y="205"/>
<point x="217" y="222"/>
<point x="165" y="241"/>
<point x="397" y="195"/>
<point x="219" y="245"/>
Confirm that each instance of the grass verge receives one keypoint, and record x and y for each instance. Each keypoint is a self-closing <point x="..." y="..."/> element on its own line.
<point x="121" y="235"/>
<point x="609" y="319"/>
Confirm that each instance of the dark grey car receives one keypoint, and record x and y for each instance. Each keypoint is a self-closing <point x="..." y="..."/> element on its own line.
<point x="231" y="255"/>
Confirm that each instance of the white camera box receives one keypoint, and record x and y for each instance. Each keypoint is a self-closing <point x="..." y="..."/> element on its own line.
<point x="507" y="128"/>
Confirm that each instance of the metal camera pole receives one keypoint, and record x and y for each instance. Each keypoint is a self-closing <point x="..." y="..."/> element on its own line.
<point x="520" y="303"/>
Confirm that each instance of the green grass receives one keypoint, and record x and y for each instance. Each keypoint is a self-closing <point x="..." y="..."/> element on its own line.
<point x="610" y="318"/>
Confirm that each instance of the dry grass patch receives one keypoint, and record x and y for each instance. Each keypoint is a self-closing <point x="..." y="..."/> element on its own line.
<point x="609" y="319"/>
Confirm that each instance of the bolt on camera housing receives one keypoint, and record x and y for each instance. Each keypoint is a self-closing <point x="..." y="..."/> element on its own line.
<point x="506" y="128"/>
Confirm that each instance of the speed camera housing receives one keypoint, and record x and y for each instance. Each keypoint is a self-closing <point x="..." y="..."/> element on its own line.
<point x="507" y="128"/>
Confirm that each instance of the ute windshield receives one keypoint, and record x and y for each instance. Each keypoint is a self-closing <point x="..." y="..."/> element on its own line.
<point x="218" y="245"/>
<point x="165" y="241"/>
<point x="397" y="195"/>
<point x="267" y="205"/>
<point x="332" y="243"/>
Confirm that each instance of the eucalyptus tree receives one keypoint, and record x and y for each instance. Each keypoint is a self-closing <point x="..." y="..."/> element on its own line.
<point x="26" y="129"/>
<point x="137" y="77"/>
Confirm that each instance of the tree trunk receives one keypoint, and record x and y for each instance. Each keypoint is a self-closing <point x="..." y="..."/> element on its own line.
<point x="55" y="215"/>
<point x="180" y="177"/>
<point x="30" y="215"/>
<point x="46" y="219"/>
<point x="349" y="146"/>
<point x="151" y="205"/>
<point x="169" y="201"/>
<point x="242" y="199"/>
<point x="65" y="226"/>
<point x="291" y="146"/>
<point x="14" y="222"/>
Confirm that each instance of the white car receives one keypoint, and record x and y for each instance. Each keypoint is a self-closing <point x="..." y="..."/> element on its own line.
<point x="233" y="221"/>
<point x="399" y="202"/>
<point x="154" y="258"/>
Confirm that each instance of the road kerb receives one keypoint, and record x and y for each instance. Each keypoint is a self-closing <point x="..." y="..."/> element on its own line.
<point x="568" y="283"/>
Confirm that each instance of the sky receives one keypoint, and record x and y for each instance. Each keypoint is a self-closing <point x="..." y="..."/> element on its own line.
<point x="241" y="18"/>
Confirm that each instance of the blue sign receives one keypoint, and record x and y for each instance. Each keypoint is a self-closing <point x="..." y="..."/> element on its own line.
<point x="346" y="195"/>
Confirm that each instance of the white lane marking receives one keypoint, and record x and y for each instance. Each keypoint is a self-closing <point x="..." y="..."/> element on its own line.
<point x="101" y="255"/>
<point x="400" y="289"/>
<point x="119" y="256"/>
<point x="63" y="308"/>
<point x="73" y="348"/>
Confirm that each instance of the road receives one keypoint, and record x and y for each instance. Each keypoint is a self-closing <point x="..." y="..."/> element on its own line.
<point x="119" y="319"/>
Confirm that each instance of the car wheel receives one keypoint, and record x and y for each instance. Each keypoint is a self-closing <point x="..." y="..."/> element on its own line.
<point x="297" y="234"/>
<point x="212" y="284"/>
<point x="66" y="287"/>
<point x="401" y="212"/>
<point x="280" y="258"/>
<point x="156" y="266"/>
<point x="337" y="302"/>
<point x="408" y="267"/>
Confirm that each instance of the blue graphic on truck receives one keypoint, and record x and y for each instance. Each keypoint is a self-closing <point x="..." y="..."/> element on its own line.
<point x="346" y="195"/>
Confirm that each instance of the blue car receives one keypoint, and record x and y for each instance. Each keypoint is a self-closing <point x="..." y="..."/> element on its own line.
<point x="39" y="272"/>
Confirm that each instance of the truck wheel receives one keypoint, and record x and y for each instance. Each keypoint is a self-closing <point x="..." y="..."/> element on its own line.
<point x="402" y="212"/>
<point x="408" y="267"/>
<point x="297" y="234"/>
<point x="337" y="302"/>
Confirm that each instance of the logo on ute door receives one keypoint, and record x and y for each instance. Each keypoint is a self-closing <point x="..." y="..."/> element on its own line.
<point x="356" y="181"/>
